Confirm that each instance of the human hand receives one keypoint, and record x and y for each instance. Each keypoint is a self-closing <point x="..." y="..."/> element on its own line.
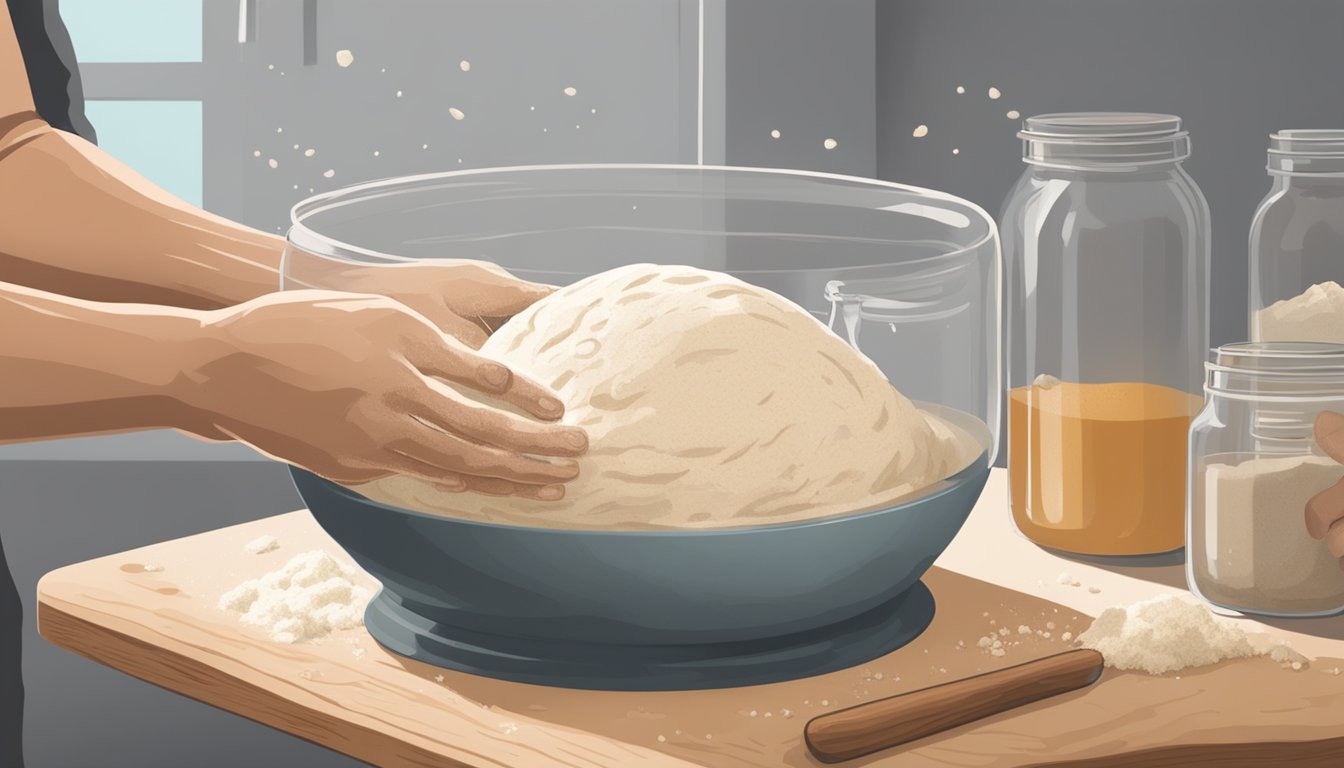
<point x="468" y="299"/>
<point x="352" y="387"/>
<point x="1325" y="510"/>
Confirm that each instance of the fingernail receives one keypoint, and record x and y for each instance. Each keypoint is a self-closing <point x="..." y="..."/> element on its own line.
<point x="577" y="440"/>
<point x="494" y="375"/>
<point x="551" y="492"/>
<point x="455" y="485"/>
<point x="550" y="404"/>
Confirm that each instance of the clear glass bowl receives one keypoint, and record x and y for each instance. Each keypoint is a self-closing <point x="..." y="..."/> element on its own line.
<point x="909" y="276"/>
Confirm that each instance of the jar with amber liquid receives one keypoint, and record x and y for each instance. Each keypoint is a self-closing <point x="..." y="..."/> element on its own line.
<point x="1106" y="244"/>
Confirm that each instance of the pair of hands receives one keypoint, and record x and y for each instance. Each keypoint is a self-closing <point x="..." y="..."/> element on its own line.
<point x="357" y="386"/>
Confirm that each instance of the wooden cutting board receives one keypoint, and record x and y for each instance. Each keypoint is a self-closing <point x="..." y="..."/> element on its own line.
<point x="347" y="693"/>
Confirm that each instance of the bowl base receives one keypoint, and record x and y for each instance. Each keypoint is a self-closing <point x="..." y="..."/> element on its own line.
<point x="654" y="668"/>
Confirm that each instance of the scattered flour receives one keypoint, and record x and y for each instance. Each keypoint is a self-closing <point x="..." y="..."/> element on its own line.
<point x="1317" y="314"/>
<point x="344" y="58"/>
<point x="920" y="131"/>
<point x="311" y="596"/>
<point x="830" y="144"/>
<point x="456" y="113"/>
<point x="1168" y="634"/>
<point x="262" y="544"/>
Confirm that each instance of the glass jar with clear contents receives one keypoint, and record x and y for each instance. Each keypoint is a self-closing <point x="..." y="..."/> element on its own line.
<point x="1254" y="463"/>
<point x="1297" y="241"/>
<point x="1106" y="243"/>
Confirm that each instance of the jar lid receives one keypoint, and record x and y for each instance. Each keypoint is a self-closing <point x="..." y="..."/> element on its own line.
<point x="1307" y="152"/>
<point x="1103" y="140"/>
<point x="1277" y="370"/>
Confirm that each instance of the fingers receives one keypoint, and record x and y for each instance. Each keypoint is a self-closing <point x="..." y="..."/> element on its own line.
<point x="1324" y="509"/>
<point x="479" y="290"/>
<point x="460" y="328"/>
<point x="1334" y="540"/>
<point x="454" y="363"/>
<point x="453" y="456"/>
<point x="1329" y="431"/>
<point x="440" y="406"/>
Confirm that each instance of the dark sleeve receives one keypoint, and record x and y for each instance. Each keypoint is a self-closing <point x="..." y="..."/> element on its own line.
<point x="49" y="58"/>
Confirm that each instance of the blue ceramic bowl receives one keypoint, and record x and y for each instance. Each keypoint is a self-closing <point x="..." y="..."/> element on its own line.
<point x="647" y="610"/>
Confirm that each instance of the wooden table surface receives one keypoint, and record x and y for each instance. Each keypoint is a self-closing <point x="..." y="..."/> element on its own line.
<point x="347" y="693"/>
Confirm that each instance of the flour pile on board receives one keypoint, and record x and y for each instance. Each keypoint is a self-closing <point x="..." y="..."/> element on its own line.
<point x="311" y="596"/>
<point x="1166" y="634"/>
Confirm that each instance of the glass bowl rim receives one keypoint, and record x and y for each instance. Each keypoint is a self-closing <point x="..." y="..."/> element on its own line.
<point x="302" y="236"/>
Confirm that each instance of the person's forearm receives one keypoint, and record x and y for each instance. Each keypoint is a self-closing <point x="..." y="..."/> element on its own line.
<point x="74" y="221"/>
<point x="80" y="223"/>
<point x="70" y="367"/>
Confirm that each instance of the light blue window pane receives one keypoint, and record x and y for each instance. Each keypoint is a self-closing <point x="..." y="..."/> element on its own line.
<point x="159" y="139"/>
<point x="134" y="30"/>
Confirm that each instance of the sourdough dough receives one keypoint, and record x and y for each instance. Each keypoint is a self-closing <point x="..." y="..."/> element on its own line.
<point x="709" y="403"/>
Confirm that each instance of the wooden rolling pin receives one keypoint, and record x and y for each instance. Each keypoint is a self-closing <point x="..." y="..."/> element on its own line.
<point x="876" y="725"/>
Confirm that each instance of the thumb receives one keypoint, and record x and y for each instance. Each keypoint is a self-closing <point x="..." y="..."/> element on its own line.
<point x="1329" y="432"/>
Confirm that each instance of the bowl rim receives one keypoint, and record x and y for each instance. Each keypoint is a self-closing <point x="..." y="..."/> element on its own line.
<point x="950" y="484"/>
<point x="323" y="246"/>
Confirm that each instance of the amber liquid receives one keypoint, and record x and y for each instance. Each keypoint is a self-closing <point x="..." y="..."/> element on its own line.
<point x="1099" y="469"/>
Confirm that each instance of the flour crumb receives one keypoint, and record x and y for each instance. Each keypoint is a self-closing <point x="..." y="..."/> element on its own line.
<point x="1064" y="578"/>
<point x="961" y="89"/>
<point x="464" y="65"/>
<point x="994" y="93"/>
<point x="920" y="131"/>
<point x="309" y="152"/>
<point x="344" y="58"/>
<point x="151" y="568"/>
<point x="309" y="597"/>
<point x="774" y="134"/>
<point x="662" y="739"/>
<point x="438" y="678"/>
<point x="572" y="91"/>
<point x="262" y="544"/>
<point x="1093" y="590"/>
<point x="1167" y="634"/>
<point x="1066" y="637"/>
<point x="456" y="113"/>
<point x="256" y="153"/>
<point x="329" y="173"/>
<point x="1013" y="114"/>
<point x="997" y="652"/>
<point x="1023" y="629"/>
<point x="273" y="163"/>
<point x="830" y="143"/>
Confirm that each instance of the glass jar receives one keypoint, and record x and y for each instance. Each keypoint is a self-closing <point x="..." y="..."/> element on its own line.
<point x="1106" y="242"/>
<point x="1297" y="241"/>
<point x="1253" y="466"/>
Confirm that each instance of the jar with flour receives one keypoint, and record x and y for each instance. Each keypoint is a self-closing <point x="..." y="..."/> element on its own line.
<point x="1253" y="465"/>
<point x="1297" y="241"/>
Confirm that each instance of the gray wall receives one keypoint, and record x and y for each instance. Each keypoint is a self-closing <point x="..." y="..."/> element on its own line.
<point x="1234" y="69"/>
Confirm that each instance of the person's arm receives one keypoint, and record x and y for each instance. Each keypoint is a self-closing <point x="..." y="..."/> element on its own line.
<point x="352" y="387"/>
<point x="80" y="223"/>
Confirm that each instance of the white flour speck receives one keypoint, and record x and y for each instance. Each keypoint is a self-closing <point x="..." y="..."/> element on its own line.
<point x="344" y="58"/>
<point x="456" y="113"/>
<point x="571" y="91"/>
<point x="1013" y="114"/>
<point x="273" y="163"/>
<point x="774" y="134"/>
<point x="920" y="131"/>
<point x="961" y="89"/>
<point x="994" y="93"/>
<point x="830" y="143"/>
<point x="956" y="151"/>
<point x="329" y="173"/>
<point x="464" y="65"/>
<point x="309" y="152"/>
<point x="256" y="153"/>
<point x="398" y="94"/>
